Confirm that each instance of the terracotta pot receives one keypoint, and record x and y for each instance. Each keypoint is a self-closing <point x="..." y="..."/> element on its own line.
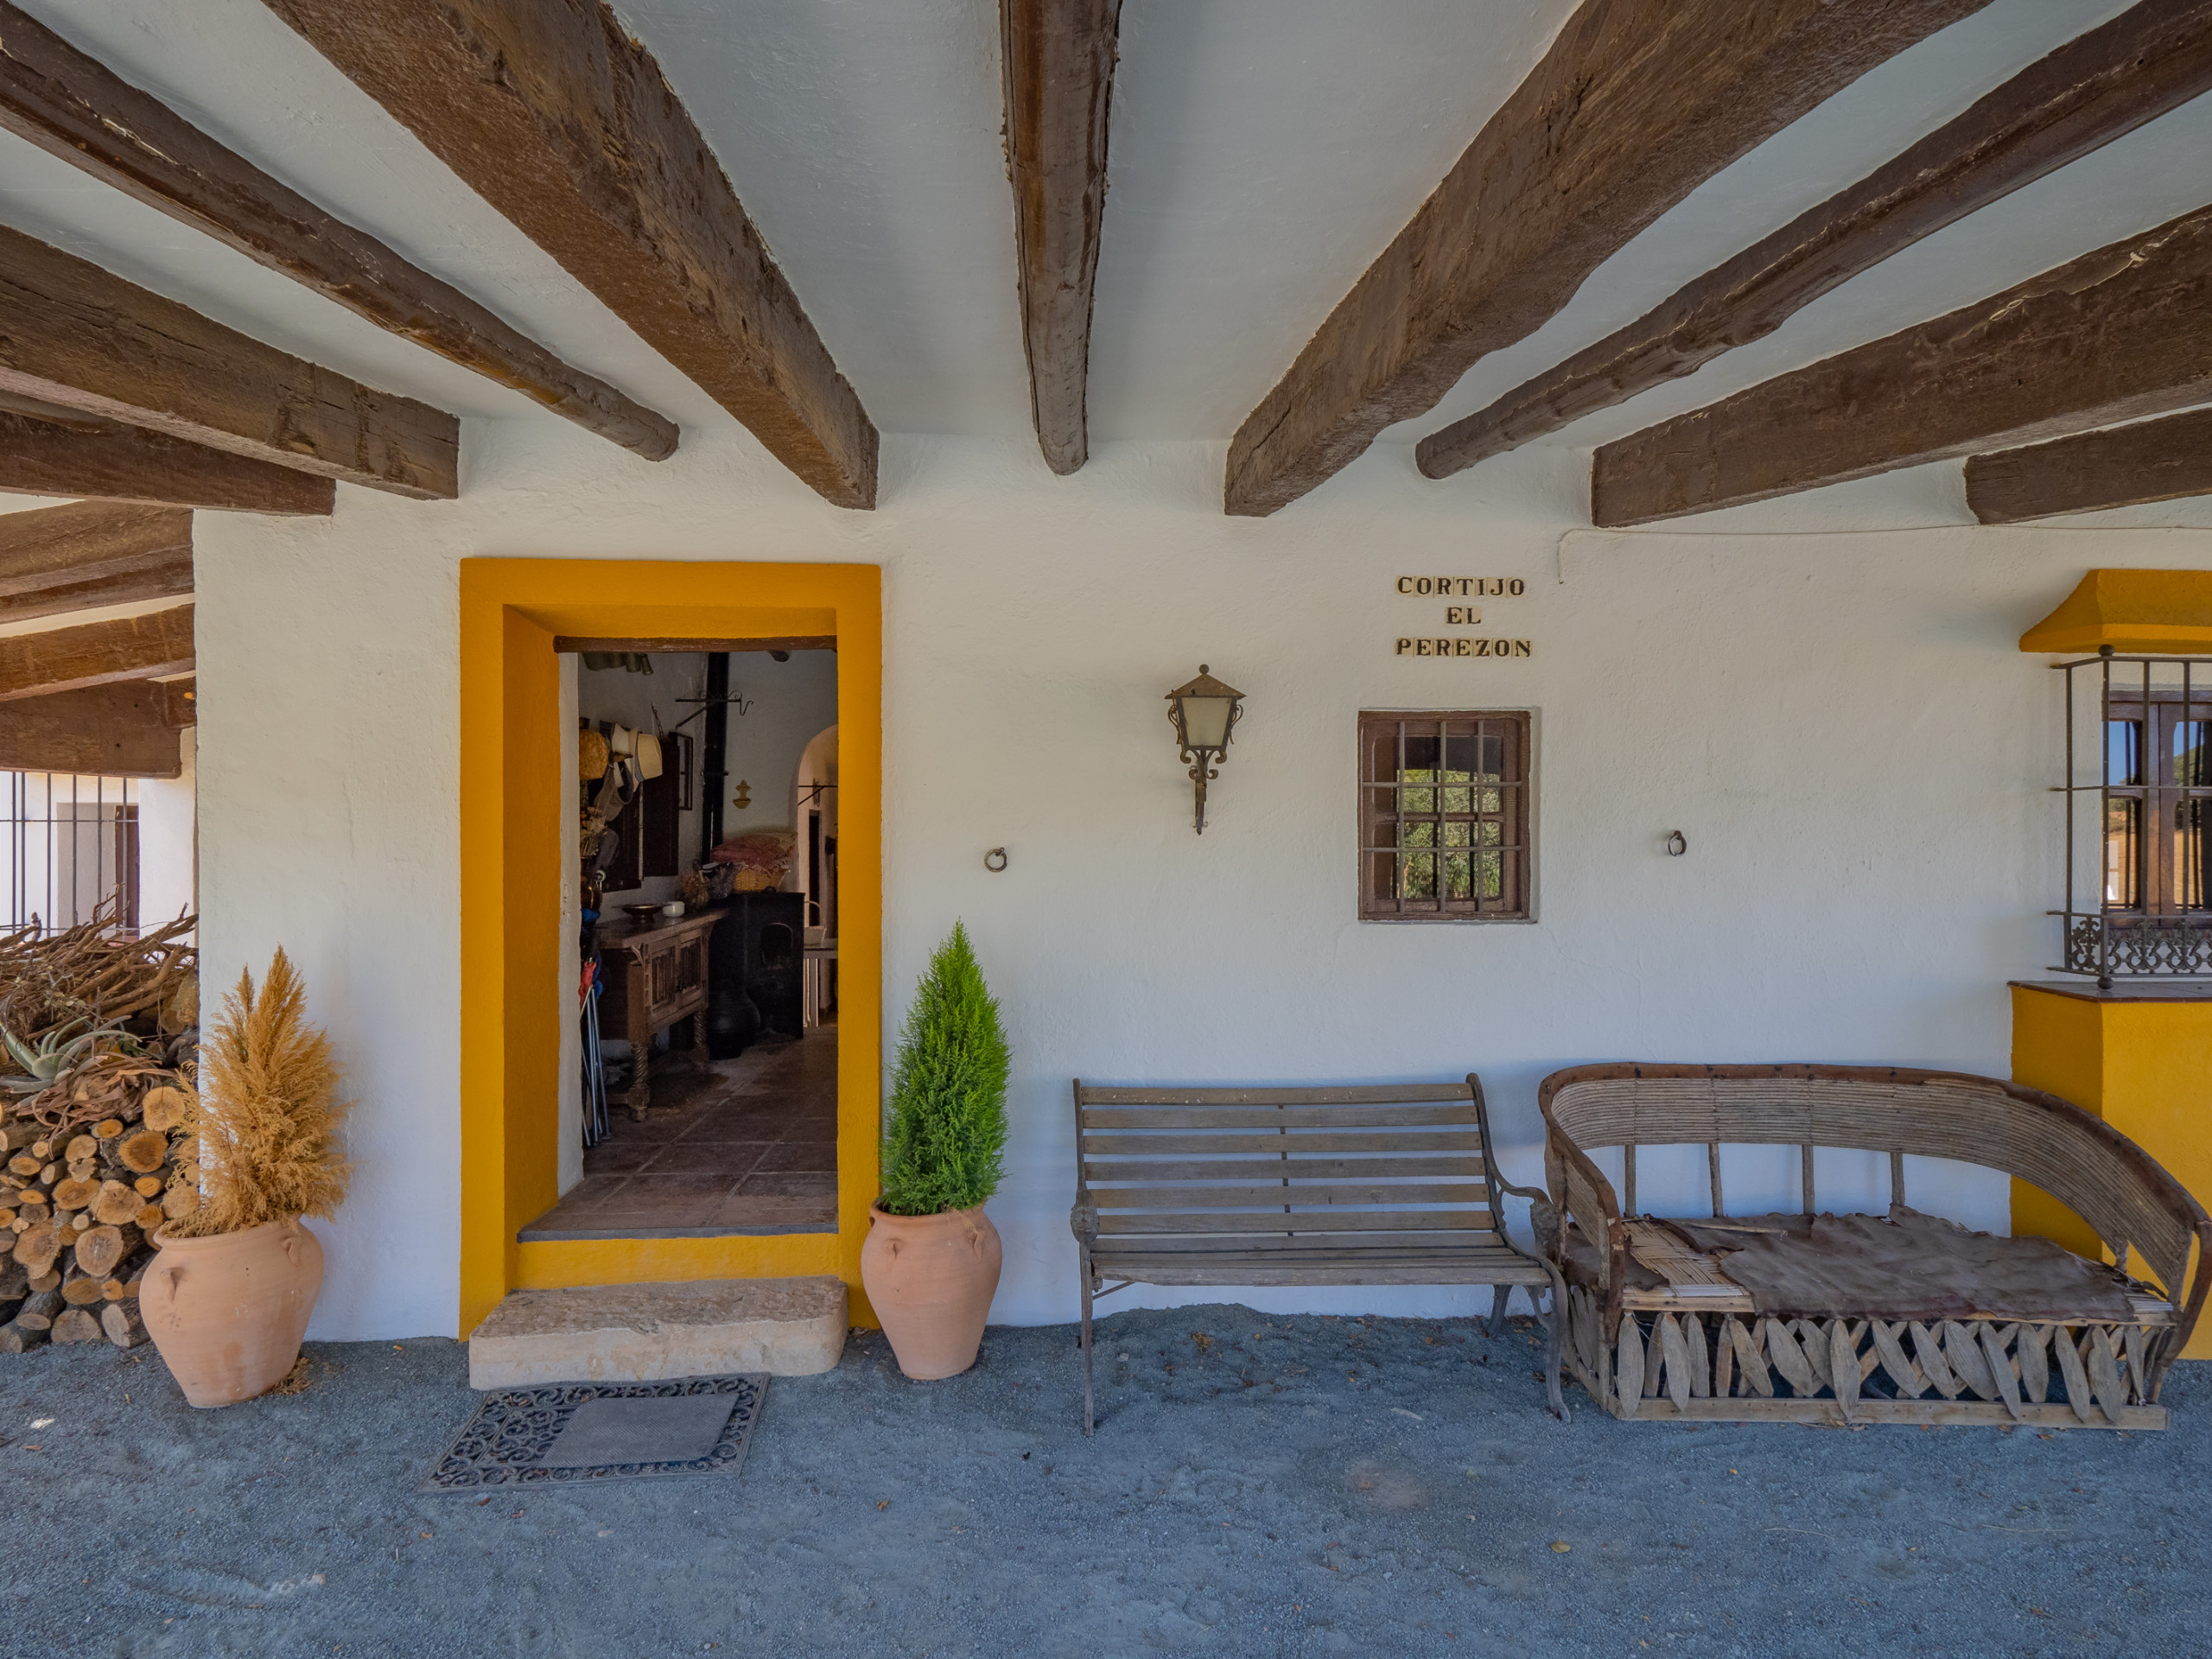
<point x="227" y="1312"/>
<point x="931" y="1280"/>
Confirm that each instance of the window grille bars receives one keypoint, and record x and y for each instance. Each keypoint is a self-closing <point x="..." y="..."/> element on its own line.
<point x="2144" y="908"/>
<point x="71" y="850"/>
<point x="1444" y="817"/>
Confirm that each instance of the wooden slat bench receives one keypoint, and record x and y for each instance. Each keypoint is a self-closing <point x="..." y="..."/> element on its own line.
<point x="1366" y="1183"/>
<point x="1683" y="1342"/>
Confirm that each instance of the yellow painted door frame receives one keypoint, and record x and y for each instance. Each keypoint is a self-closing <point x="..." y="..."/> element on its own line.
<point x="512" y="1003"/>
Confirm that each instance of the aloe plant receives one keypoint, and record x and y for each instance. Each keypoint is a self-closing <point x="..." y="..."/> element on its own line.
<point x="56" y="1052"/>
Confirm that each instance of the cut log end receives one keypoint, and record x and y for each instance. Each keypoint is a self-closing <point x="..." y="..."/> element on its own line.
<point x="102" y="1249"/>
<point x="116" y="1204"/>
<point x="145" y="1151"/>
<point x="163" y="1109"/>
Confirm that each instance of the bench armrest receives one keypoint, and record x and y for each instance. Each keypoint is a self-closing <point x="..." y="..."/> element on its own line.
<point x="1583" y="1195"/>
<point x="1543" y="1219"/>
<point x="1082" y="1221"/>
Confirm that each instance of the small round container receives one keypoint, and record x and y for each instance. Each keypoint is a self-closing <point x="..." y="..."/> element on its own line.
<point x="672" y="909"/>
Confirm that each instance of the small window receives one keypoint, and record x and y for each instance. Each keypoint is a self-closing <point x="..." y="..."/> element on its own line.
<point x="2148" y="783"/>
<point x="1443" y="818"/>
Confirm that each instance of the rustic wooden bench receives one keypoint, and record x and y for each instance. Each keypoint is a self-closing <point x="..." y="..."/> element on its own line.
<point x="1678" y="1340"/>
<point x="1367" y="1183"/>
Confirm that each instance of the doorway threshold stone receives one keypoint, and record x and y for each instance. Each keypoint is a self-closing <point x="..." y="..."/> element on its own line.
<point x="650" y="1333"/>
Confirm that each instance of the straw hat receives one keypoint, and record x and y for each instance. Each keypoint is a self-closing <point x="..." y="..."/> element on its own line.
<point x="648" y="755"/>
<point x="591" y="755"/>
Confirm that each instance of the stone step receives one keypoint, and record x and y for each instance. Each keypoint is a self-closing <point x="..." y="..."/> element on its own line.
<point x="648" y="1333"/>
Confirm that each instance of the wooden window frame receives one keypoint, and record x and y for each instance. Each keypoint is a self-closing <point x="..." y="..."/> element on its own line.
<point x="2158" y="798"/>
<point x="1514" y="816"/>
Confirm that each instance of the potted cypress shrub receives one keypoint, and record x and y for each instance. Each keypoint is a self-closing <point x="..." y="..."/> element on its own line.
<point x="226" y="1300"/>
<point x="930" y="1263"/>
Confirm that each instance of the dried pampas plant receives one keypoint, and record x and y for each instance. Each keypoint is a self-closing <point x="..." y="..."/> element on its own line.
<point x="265" y="1114"/>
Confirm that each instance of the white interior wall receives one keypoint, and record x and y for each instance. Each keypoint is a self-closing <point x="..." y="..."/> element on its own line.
<point x="792" y="704"/>
<point x="1839" y="723"/>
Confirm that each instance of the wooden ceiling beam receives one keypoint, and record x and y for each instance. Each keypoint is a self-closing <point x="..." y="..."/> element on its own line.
<point x="172" y="579"/>
<point x="565" y="124"/>
<point x="111" y="731"/>
<point x="88" y="458"/>
<point x="2121" y="467"/>
<point x="99" y="653"/>
<point x="1635" y="103"/>
<point x="72" y="107"/>
<point x="86" y="541"/>
<point x="2107" y="83"/>
<point x="2115" y="335"/>
<point x="83" y="339"/>
<point x="1058" y="62"/>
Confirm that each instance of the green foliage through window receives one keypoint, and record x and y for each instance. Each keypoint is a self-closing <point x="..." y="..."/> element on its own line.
<point x="1438" y="815"/>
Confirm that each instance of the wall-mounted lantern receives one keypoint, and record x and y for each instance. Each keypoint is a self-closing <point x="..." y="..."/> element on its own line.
<point x="1205" y="712"/>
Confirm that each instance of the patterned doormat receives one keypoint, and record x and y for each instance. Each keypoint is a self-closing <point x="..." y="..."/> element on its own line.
<point x="566" y="1433"/>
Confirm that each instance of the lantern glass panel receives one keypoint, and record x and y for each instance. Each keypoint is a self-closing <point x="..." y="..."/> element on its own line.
<point x="1205" y="722"/>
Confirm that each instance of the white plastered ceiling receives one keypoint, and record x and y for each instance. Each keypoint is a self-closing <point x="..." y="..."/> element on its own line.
<point x="1262" y="152"/>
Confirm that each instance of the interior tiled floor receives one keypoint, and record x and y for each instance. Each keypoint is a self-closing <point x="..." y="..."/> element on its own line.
<point x="744" y="1146"/>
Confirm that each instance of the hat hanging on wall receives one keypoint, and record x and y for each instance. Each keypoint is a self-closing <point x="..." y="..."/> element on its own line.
<point x="591" y="756"/>
<point x="649" y="762"/>
<point x="622" y="742"/>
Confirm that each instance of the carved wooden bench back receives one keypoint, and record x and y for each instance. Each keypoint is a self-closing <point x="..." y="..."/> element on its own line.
<point x="2103" y="1177"/>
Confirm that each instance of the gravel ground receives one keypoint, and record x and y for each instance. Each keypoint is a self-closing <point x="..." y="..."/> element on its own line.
<point x="1259" y="1485"/>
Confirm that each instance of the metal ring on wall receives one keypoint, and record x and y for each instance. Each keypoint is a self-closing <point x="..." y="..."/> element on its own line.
<point x="1676" y="844"/>
<point x="994" y="861"/>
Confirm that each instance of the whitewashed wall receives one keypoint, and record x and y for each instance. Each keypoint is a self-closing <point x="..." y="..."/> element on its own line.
<point x="168" y="853"/>
<point x="1838" y="722"/>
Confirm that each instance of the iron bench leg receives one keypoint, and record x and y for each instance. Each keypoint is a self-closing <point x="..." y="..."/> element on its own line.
<point x="1498" y="1295"/>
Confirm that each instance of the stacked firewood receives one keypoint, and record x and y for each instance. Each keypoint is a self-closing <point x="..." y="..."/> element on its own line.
<point x="81" y="1208"/>
<point x="93" y="1140"/>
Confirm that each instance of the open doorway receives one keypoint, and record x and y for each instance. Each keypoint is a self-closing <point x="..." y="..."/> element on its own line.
<point x="707" y="1075"/>
<point x="519" y="856"/>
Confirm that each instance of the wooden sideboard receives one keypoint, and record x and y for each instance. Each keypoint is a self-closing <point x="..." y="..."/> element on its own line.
<point x="655" y="976"/>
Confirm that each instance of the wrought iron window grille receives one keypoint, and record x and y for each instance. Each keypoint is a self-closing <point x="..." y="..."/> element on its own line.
<point x="1444" y="817"/>
<point x="2138" y="836"/>
<point x="73" y="851"/>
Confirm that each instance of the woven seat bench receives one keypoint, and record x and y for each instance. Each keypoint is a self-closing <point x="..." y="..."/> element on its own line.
<point x="1899" y="1319"/>
<point x="1368" y="1184"/>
